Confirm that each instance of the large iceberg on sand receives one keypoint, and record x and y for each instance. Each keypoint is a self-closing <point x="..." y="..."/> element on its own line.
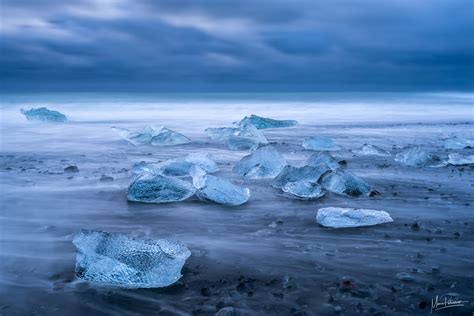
<point x="151" y="188"/>
<point x="117" y="260"/>
<point x="178" y="167"/>
<point x="217" y="189"/>
<point x="458" y="143"/>
<point x="43" y="114"/>
<point x="294" y="174"/>
<point x="371" y="150"/>
<point x="264" y="123"/>
<point x="344" y="183"/>
<point x="337" y="217"/>
<point x="320" y="143"/>
<point x="156" y="136"/>
<point x="459" y="160"/>
<point x="265" y="162"/>
<point x="304" y="190"/>
<point x="322" y="157"/>
<point x="418" y="157"/>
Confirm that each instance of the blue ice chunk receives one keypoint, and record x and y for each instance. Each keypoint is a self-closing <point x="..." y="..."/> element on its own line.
<point x="371" y="150"/>
<point x="344" y="183"/>
<point x="156" y="136"/>
<point x="338" y="217"/>
<point x="418" y="157"/>
<point x="322" y="157"/>
<point x="153" y="188"/>
<point x="217" y="189"/>
<point x="305" y="174"/>
<point x="43" y="114"/>
<point x="320" y="143"/>
<point x="458" y="143"/>
<point x="264" y="123"/>
<point x="265" y="162"/>
<point x="304" y="190"/>
<point x="117" y="260"/>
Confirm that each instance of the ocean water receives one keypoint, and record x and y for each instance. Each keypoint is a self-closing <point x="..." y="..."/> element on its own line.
<point x="266" y="257"/>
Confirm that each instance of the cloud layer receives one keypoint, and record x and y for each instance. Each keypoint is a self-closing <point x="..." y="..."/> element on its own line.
<point x="237" y="45"/>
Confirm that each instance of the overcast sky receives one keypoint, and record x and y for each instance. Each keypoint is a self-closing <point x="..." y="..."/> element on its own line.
<point x="232" y="45"/>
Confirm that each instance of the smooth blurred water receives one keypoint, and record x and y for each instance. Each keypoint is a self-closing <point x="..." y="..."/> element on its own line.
<point x="269" y="238"/>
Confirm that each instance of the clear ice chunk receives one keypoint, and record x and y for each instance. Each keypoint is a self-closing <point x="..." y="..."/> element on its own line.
<point x="459" y="159"/>
<point x="322" y="157"/>
<point x="320" y="143"/>
<point x="371" y="150"/>
<point x="43" y="114"/>
<point x="217" y="189"/>
<point x="156" y="188"/>
<point x="156" y="136"/>
<point x="264" y="123"/>
<point x="178" y="167"/>
<point x="304" y="190"/>
<point x="305" y="173"/>
<point x="344" y="183"/>
<point x="338" y="217"/>
<point x="167" y="137"/>
<point x="221" y="133"/>
<point x="265" y="162"/>
<point x="418" y="157"/>
<point x="117" y="260"/>
<point x="242" y="137"/>
<point x="458" y="143"/>
<point x="242" y="143"/>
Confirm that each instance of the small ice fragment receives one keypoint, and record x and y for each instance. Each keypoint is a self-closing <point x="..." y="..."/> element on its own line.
<point x="156" y="136"/>
<point x="117" y="260"/>
<point x="43" y="114"/>
<point x="344" y="183"/>
<point x="305" y="173"/>
<point x="322" y="157"/>
<point x="221" y="133"/>
<point x="458" y="143"/>
<point x="265" y="162"/>
<point x="304" y="190"/>
<point x="152" y="188"/>
<point x="405" y="277"/>
<point x="418" y="157"/>
<point x="264" y="123"/>
<point x="338" y="217"/>
<point x="217" y="189"/>
<point x="459" y="160"/>
<point x="320" y="143"/>
<point x="371" y="150"/>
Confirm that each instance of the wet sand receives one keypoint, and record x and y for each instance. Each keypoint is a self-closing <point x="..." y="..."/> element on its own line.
<point x="266" y="257"/>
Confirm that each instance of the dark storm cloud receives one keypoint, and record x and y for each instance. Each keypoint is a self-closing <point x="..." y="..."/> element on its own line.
<point x="308" y="45"/>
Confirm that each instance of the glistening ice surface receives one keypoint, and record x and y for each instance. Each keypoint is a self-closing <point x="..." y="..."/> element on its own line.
<point x="265" y="257"/>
